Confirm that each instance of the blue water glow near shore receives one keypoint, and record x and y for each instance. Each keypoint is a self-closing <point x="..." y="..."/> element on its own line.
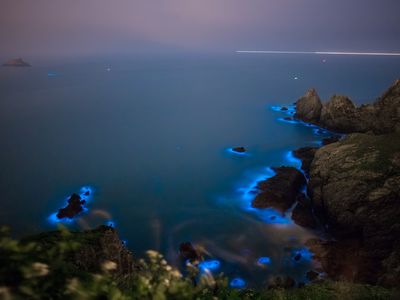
<point x="210" y="265"/>
<point x="231" y="151"/>
<point x="237" y="283"/>
<point x="53" y="219"/>
<point x="264" y="260"/>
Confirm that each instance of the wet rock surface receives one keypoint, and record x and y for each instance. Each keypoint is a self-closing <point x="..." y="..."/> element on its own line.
<point x="341" y="115"/>
<point x="280" y="191"/>
<point x="74" y="207"/>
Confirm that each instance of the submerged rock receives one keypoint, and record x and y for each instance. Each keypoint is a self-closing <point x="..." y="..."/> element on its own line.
<point x="280" y="191"/>
<point x="74" y="207"/>
<point x="284" y="108"/>
<point x="239" y="149"/>
<point x="17" y="62"/>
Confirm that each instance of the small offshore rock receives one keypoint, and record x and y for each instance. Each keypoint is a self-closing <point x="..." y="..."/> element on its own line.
<point x="74" y="207"/>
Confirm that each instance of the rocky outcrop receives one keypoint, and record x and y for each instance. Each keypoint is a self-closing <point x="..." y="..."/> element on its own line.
<point x="96" y="250"/>
<point x="73" y="208"/>
<point x="306" y="155"/>
<point x="280" y="191"/>
<point x="239" y="149"/>
<point x="188" y="252"/>
<point x="303" y="214"/>
<point x="341" y="115"/>
<point x="17" y="62"/>
<point x="308" y="108"/>
<point x="355" y="189"/>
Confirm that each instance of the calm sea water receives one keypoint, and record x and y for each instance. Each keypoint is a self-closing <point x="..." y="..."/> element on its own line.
<point x="150" y="136"/>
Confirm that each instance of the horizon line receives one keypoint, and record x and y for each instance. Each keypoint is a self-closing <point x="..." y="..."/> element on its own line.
<point x="320" y="52"/>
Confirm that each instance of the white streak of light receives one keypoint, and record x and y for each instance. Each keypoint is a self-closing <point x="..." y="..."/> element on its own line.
<point x="322" y="53"/>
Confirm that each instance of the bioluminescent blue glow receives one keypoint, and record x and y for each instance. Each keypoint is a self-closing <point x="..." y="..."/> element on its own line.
<point x="247" y="195"/>
<point x="304" y="253"/>
<point x="230" y="150"/>
<point x="264" y="260"/>
<point x="110" y="224"/>
<point x="320" y="53"/>
<point x="210" y="265"/>
<point x="86" y="193"/>
<point x="292" y="160"/>
<point x="237" y="283"/>
<point x="52" y="74"/>
<point x="291" y="121"/>
<point x="53" y="219"/>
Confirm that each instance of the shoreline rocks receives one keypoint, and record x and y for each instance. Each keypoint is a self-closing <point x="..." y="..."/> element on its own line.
<point x="355" y="190"/>
<point x="280" y="191"/>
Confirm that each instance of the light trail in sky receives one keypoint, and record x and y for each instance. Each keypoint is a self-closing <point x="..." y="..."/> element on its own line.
<point x="321" y="52"/>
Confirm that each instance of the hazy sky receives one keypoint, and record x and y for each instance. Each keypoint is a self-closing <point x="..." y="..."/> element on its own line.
<point x="85" y="27"/>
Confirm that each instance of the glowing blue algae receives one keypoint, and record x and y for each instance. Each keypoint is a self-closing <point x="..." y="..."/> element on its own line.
<point x="291" y="121"/>
<point x="237" y="283"/>
<point x="210" y="265"/>
<point x="265" y="260"/>
<point x="292" y="160"/>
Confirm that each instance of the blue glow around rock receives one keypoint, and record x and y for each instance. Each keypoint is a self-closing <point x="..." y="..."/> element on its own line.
<point x="264" y="260"/>
<point x="292" y="160"/>
<point x="237" y="283"/>
<point x="53" y="219"/>
<point x="306" y="254"/>
<point x="267" y="215"/>
<point x="210" y="265"/>
<point x="230" y="150"/>
<point x="111" y="224"/>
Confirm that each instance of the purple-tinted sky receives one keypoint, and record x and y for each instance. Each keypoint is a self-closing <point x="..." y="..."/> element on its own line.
<point x="83" y="27"/>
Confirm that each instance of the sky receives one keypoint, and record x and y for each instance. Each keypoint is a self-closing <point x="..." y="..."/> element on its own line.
<point x="96" y="27"/>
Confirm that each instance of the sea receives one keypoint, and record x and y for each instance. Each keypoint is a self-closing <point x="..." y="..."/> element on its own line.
<point x="150" y="136"/>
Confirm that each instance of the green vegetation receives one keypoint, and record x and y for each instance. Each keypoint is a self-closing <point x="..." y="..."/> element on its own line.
<point x="40" y="268"/>
<point x="375" y="151"/>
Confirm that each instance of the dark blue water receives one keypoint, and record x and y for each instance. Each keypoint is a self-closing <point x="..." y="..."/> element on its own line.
<point x="150" y="135"/>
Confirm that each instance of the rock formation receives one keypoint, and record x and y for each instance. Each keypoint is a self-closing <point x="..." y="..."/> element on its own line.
<point x="355" y="188"/>
<point x="280" y="191"/>
<point x="239" y="149"/>
<point x="341" y="115"/>
<point x="17" y="62"/>
<point x="74" y="207"/>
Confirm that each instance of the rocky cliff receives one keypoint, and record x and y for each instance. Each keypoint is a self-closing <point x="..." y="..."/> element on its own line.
<point x="341" y="115"/>
<point x="355" y="188"/>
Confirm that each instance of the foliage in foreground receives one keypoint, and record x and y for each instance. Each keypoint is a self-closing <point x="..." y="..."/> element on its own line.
<point x="30" y="271"/>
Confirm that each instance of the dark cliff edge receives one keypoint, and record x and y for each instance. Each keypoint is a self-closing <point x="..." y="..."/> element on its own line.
<point x="354" y="187"/>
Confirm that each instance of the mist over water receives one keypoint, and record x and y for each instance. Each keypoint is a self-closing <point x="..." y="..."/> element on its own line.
<point x="150" y="135"/>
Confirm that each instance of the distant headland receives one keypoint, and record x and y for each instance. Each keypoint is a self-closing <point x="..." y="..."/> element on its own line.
<point x="16" y="62"/>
